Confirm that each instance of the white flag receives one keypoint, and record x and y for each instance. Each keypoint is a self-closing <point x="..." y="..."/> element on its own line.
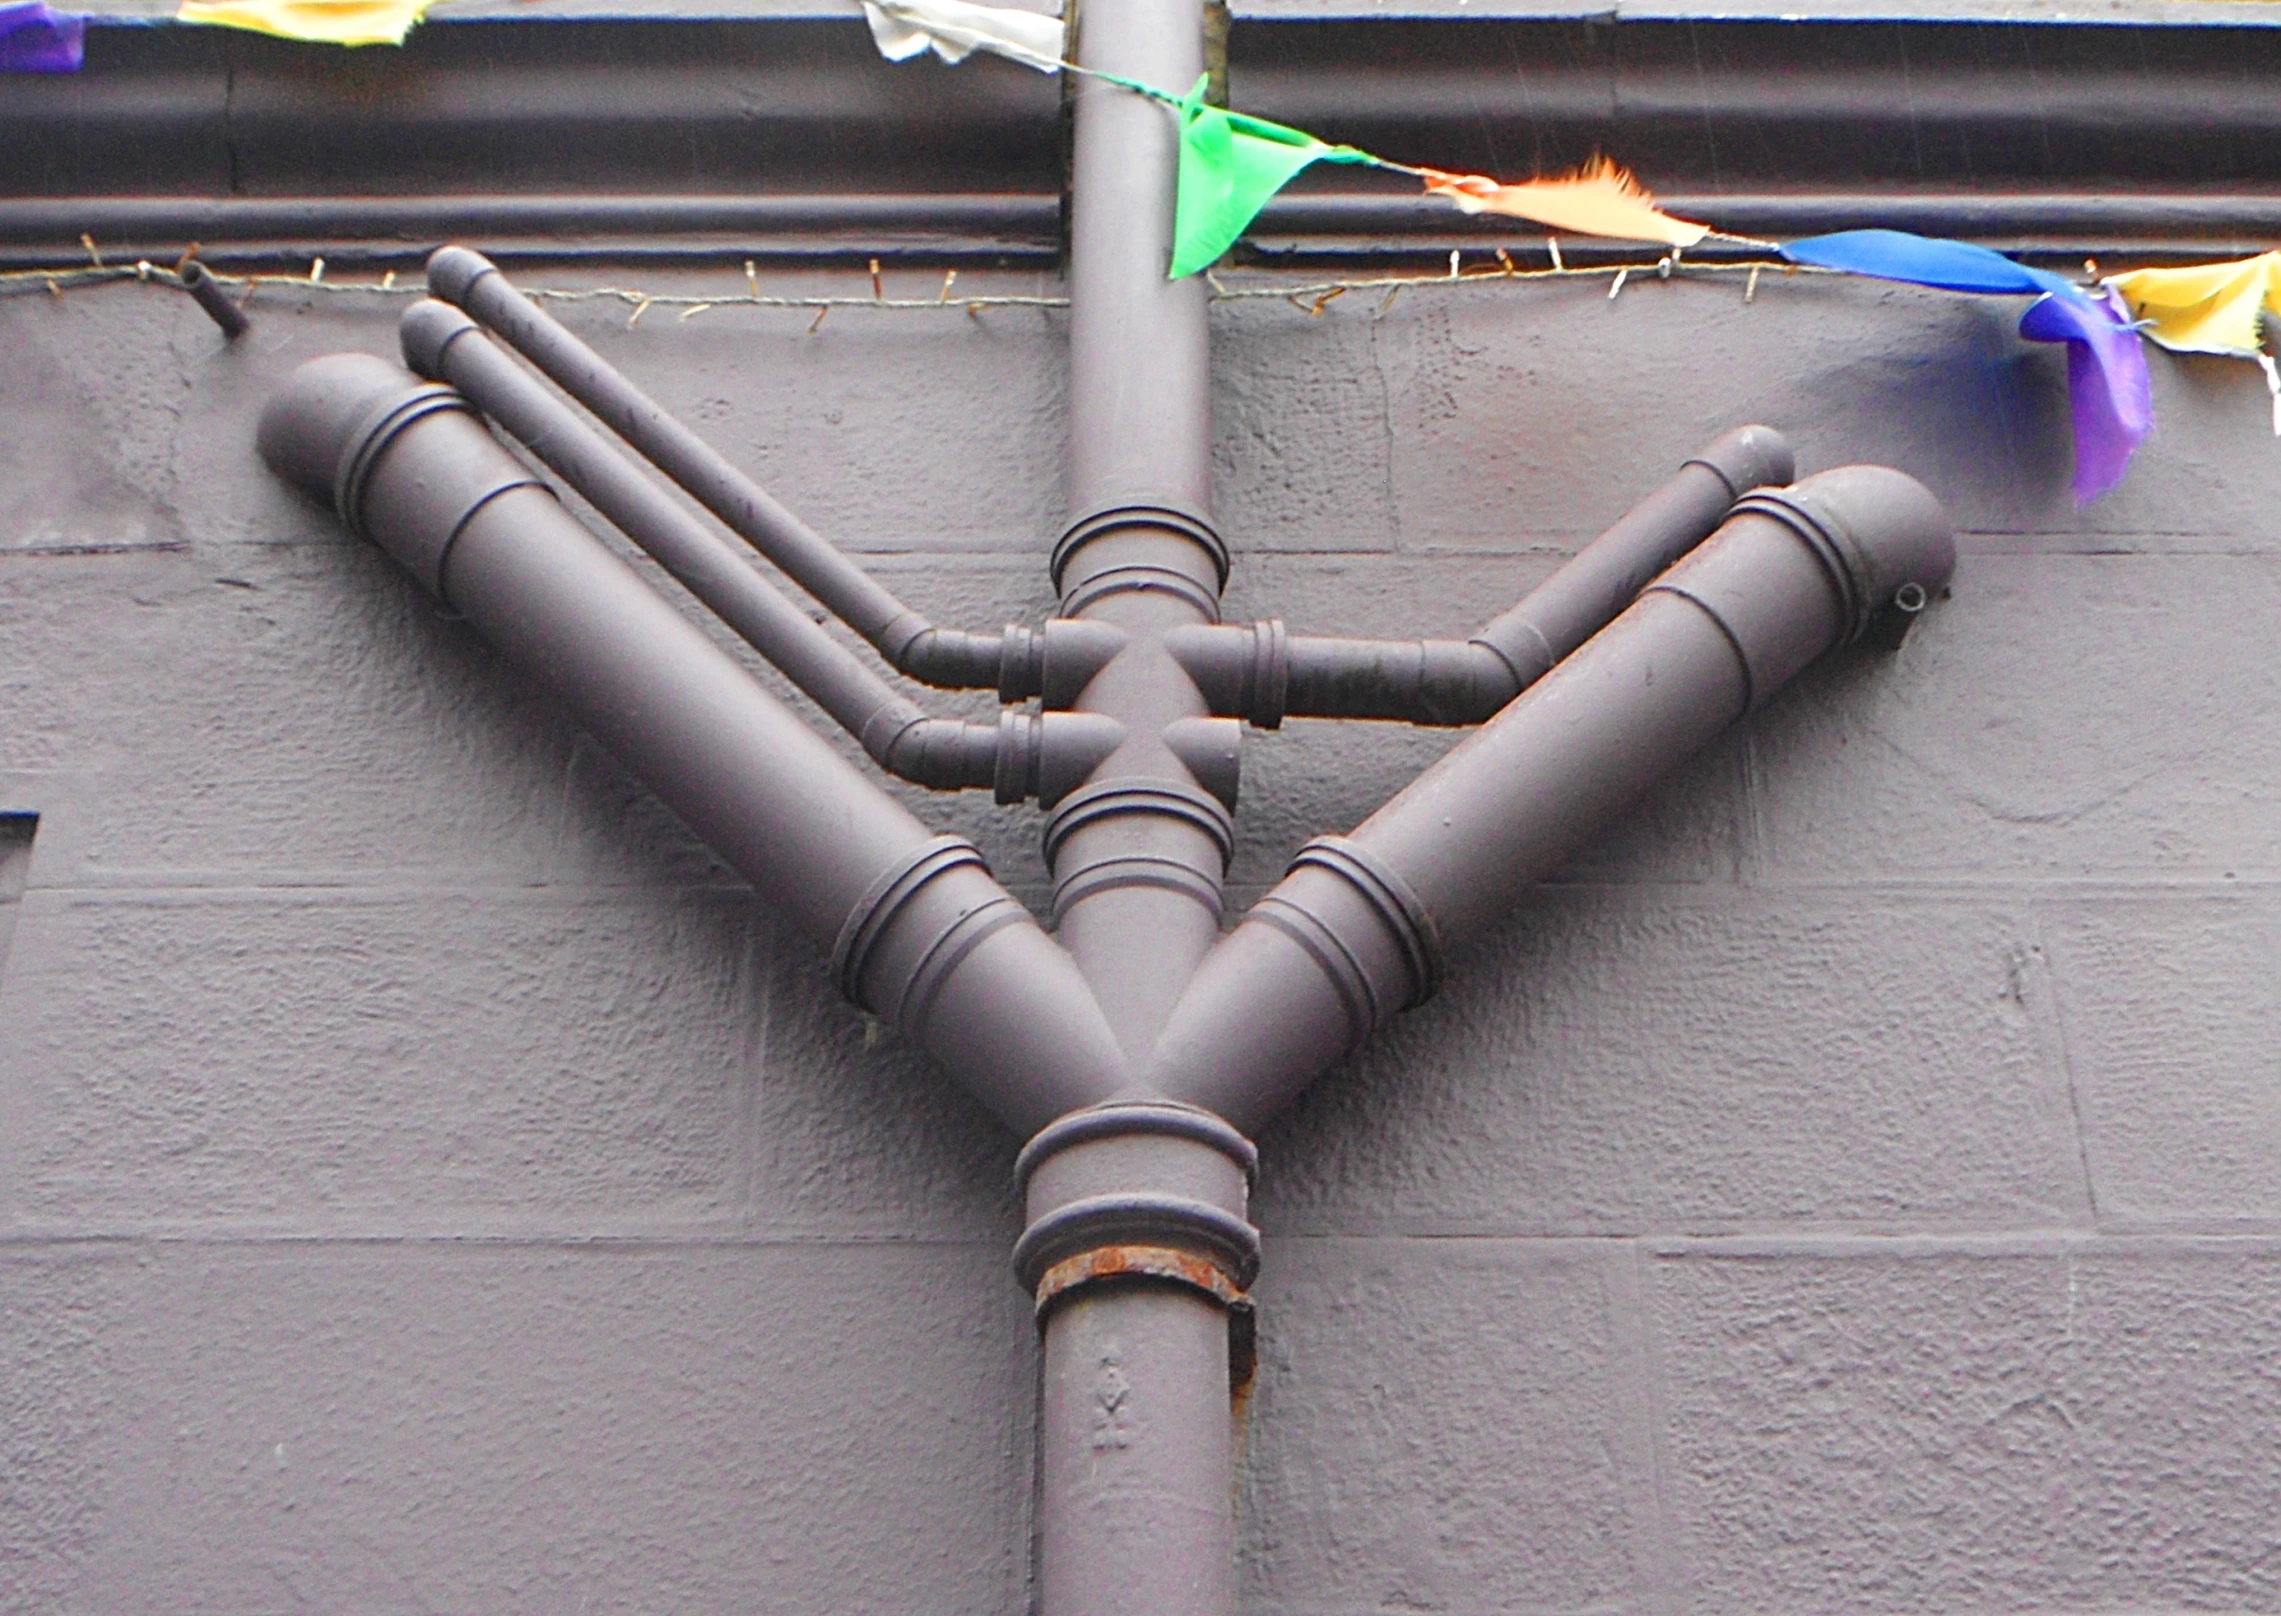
<point x="954" y="29"/>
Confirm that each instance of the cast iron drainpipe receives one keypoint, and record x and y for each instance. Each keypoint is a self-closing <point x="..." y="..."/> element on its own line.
<point x="1138" y="1249"/>
<point x="917" y="930"/>
<point x="1023" y="755"/>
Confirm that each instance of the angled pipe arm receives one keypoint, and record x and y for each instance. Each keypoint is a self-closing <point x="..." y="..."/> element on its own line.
<point x="1264" y="674"/>
<point x="918" y="931"/>
<point x="1357" y="931"/>
<point x="912" y="645"/>
<point x="1019" y="757"/>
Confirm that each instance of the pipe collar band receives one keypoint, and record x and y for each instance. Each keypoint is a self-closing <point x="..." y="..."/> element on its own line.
<point x="1081" y="808"/>
<point x="375" y="431"/>
<point x="1136" y="870"/>
<point x="1173" y="1222"/>
<point x="1393" y="900"/>
<point x="1128" y="580"/>
<point x="1157" y="518"/>
<point x="894" y="887"/>
<point x="1113" y="1119"/>
<point x="1833" y="543"/>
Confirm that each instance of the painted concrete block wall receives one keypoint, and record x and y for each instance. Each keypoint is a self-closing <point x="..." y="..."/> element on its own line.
<point x="428" y="1183"/>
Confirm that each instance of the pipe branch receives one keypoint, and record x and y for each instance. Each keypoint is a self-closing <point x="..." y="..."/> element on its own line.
<point x="1263" y="674"/>
<point x="947" y="658"/>
<point x="918" y="931"/>
<point x="1358" y="930"/>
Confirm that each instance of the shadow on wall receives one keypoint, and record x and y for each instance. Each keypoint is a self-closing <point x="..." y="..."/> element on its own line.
<point x="1972" y="411"/>
<point x="17" y="828"/>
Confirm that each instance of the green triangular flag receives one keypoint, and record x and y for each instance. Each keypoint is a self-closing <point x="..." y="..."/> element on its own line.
<point x="1229" y="166"/>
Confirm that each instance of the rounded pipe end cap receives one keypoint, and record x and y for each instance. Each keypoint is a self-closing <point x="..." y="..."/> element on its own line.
<point x="426" y="330"/>
<point x="1751" y="457"/>
<point x="452" y="270"/>
<point x="1885" y="531"/>
<point x="320" y="416"/>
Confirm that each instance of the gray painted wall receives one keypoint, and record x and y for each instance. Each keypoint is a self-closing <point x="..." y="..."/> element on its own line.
<point x="427" y="1183"/>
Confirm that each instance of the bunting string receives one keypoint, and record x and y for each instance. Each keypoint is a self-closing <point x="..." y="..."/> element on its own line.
<point x="1232" y="163"/>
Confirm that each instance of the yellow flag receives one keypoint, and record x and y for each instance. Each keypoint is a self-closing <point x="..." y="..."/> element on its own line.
<point x="326" y="22"/>
<point x="2205" y="308"/>
<point x="1599" y="199"/>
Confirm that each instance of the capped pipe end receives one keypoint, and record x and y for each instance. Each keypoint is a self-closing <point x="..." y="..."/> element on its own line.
<point x="452" y="270"/>
<point x="426" y="330"/>
<point x="1883" y="533"/>
<point x="315" y="422"/>
<point x="1750" y="457"/>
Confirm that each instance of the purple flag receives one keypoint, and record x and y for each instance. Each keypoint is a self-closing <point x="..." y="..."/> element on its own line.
<point x="34" y="39"/>
<point x="2108" y="389"/>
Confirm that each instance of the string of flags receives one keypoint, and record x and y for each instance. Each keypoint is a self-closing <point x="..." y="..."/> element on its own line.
<point x="1231" y="164"/>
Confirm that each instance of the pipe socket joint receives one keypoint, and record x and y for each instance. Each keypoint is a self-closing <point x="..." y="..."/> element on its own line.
<point x="1049" y="755"/>
<point x="329" y="432"/>
<point x="1881" y="532"/>
<point x="1141" y="547"/>
<point x="1878" y="537"/>
<point x="1137" y="1190"/>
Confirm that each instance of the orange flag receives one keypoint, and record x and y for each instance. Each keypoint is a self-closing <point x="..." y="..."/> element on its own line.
<point x="1599" y="199"/>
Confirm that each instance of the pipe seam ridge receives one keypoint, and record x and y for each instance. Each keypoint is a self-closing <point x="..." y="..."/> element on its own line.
<point x="1080" y="808"/>
<point x="1136" y="578"/>
<point x="1331" y="955"/>
<point x="943" y="955"/>
<point x="1136" y="870"/>
<point x="1158" y="518"/>
<point x="1750" y="691"/>
<point x="380" y="426"/>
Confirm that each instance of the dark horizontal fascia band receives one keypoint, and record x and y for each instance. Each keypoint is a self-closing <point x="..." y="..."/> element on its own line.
<point x="1018" y="229"/>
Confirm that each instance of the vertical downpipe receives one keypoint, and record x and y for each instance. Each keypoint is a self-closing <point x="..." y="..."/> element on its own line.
<point x="1138" y="1245"/>
<point x="1141" y="852"/>
<point x="1136" y="1509"/>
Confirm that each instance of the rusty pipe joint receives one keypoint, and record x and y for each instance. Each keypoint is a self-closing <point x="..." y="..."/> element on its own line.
<point x="1137" y="1191"/>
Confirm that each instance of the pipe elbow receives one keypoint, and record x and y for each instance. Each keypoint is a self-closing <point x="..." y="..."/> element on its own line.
<point x="453" y="270"/>
<point x="941" y="754"/>
<point x="1750" y="457"/>
<point x="1009" y="662"/>
<point x="1883" y="534"/>
<point x="427" y="328"/>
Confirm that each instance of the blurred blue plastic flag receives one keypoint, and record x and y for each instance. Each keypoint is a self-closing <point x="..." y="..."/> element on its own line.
<point x="34" y="39"/>
<point x="2109" y="392"/>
